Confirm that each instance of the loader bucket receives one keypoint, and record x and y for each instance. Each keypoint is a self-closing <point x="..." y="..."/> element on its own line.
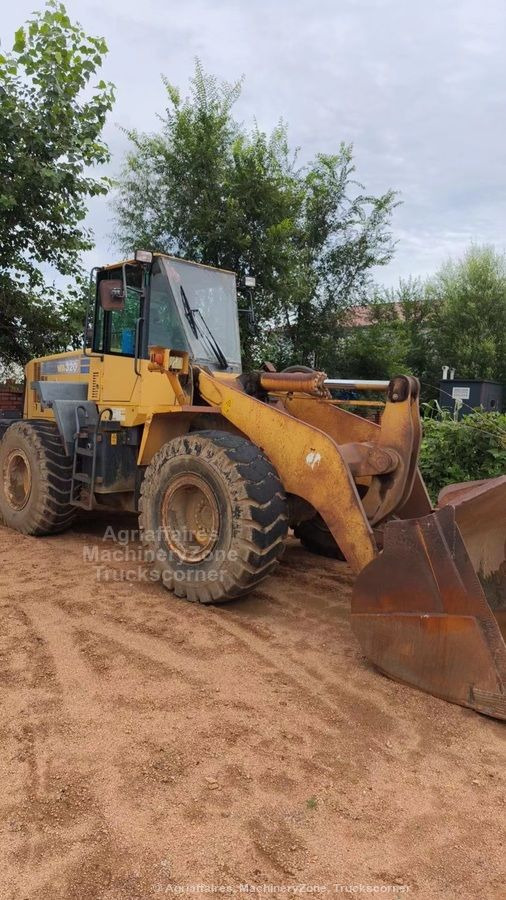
<point x="480" y="513"/>
<point x="421" y="615"/>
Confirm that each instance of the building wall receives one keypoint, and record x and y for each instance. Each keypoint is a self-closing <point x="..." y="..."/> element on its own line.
<point x="11" y="397"/>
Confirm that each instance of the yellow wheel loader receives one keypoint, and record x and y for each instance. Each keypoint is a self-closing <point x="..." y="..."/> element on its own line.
<point x="155" y="416"/>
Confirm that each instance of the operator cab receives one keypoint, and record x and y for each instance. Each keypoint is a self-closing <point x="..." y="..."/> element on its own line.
<point x="160" y="300"/>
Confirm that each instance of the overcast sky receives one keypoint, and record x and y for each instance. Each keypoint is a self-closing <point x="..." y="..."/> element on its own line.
<point x="419" y="88"/>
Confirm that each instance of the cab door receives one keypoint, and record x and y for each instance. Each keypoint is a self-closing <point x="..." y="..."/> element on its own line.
<point x="117" y="332"/>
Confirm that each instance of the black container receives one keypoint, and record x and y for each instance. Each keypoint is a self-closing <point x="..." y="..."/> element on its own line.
<point x="487" y="395"/>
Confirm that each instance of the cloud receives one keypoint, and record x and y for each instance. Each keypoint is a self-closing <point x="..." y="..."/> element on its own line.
<point x="419" y="89"/>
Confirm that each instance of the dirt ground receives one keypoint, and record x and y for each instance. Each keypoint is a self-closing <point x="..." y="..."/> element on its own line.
<point x="152" y="747"/>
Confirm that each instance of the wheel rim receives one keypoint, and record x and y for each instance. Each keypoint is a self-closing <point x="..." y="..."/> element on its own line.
<point x="17" y="479"/>
<point x="190" y="518"/>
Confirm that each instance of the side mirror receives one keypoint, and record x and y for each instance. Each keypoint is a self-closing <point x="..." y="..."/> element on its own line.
<point x="111" y="294"/>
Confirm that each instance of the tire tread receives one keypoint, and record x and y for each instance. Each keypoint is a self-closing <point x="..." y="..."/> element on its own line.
<point x="258" y="501"/>
<point x="53" y="511"/>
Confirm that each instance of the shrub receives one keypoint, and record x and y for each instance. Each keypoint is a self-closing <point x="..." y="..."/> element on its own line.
<point x="468" y="450"/>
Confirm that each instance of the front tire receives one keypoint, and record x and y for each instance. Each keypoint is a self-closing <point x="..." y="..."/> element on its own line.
<point x="35" y="479"/>
<point x="213" y="516"/>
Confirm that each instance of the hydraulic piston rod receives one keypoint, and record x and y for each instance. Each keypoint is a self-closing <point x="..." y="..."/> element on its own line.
<point x="351" y="384"/>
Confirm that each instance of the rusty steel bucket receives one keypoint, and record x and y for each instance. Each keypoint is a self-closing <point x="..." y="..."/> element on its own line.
<point x="480" y="513"/>
<point x="420" y="611"/>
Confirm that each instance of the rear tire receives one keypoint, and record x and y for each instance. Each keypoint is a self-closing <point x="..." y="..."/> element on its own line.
<point x="316" y="537"/>
<point x="35" y="479"/>
<point x="213" y="516"/>
<point x="306" y="370"/>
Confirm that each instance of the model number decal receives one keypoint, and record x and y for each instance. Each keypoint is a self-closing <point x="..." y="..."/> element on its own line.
<point x="72" y="365"/>
<point x="68" y="367"/>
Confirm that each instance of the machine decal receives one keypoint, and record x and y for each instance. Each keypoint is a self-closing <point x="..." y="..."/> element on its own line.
<point x="313" y="459"/>
<point x="71" y="365"/>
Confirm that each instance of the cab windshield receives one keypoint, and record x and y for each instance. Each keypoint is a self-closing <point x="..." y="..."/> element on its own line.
<point x="207" y="303"/>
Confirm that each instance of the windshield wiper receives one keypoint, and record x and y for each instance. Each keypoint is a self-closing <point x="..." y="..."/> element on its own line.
<point x="218" y="352"/>
<point x="188" y="311"/>
<point x="208" y="338"/>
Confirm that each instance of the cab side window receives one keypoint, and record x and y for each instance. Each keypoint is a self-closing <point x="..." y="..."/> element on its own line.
<point x="123" y="323"/>
<point x="114" y="330"/>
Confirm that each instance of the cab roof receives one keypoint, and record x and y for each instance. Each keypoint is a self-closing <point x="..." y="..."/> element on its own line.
<point x="190" y="262"/>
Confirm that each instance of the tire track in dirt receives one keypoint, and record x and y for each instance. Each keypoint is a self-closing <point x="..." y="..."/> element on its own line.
<point x="69" y="808"/>
<point x="302" y="682"/>
<point x="72" y="673"/>
<point x="148" y="647"/>
<point x="244" y="625"/>
<point x="39" y="814"/>
<point x="297" y="612"/>
<point x="146" y="742"/>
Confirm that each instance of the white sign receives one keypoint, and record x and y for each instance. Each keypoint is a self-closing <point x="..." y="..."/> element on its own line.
<point x="461" y="393"/>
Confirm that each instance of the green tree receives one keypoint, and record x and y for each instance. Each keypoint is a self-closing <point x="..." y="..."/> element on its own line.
<point x="414" y="303"/>
<point x="468" y="314"/>
<point x="207" y="189"/>
<point x="457" y="318"/>
<point x="375" y="343"/>
<point x="389" y="335"/>
<point x="51" y="119"/>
